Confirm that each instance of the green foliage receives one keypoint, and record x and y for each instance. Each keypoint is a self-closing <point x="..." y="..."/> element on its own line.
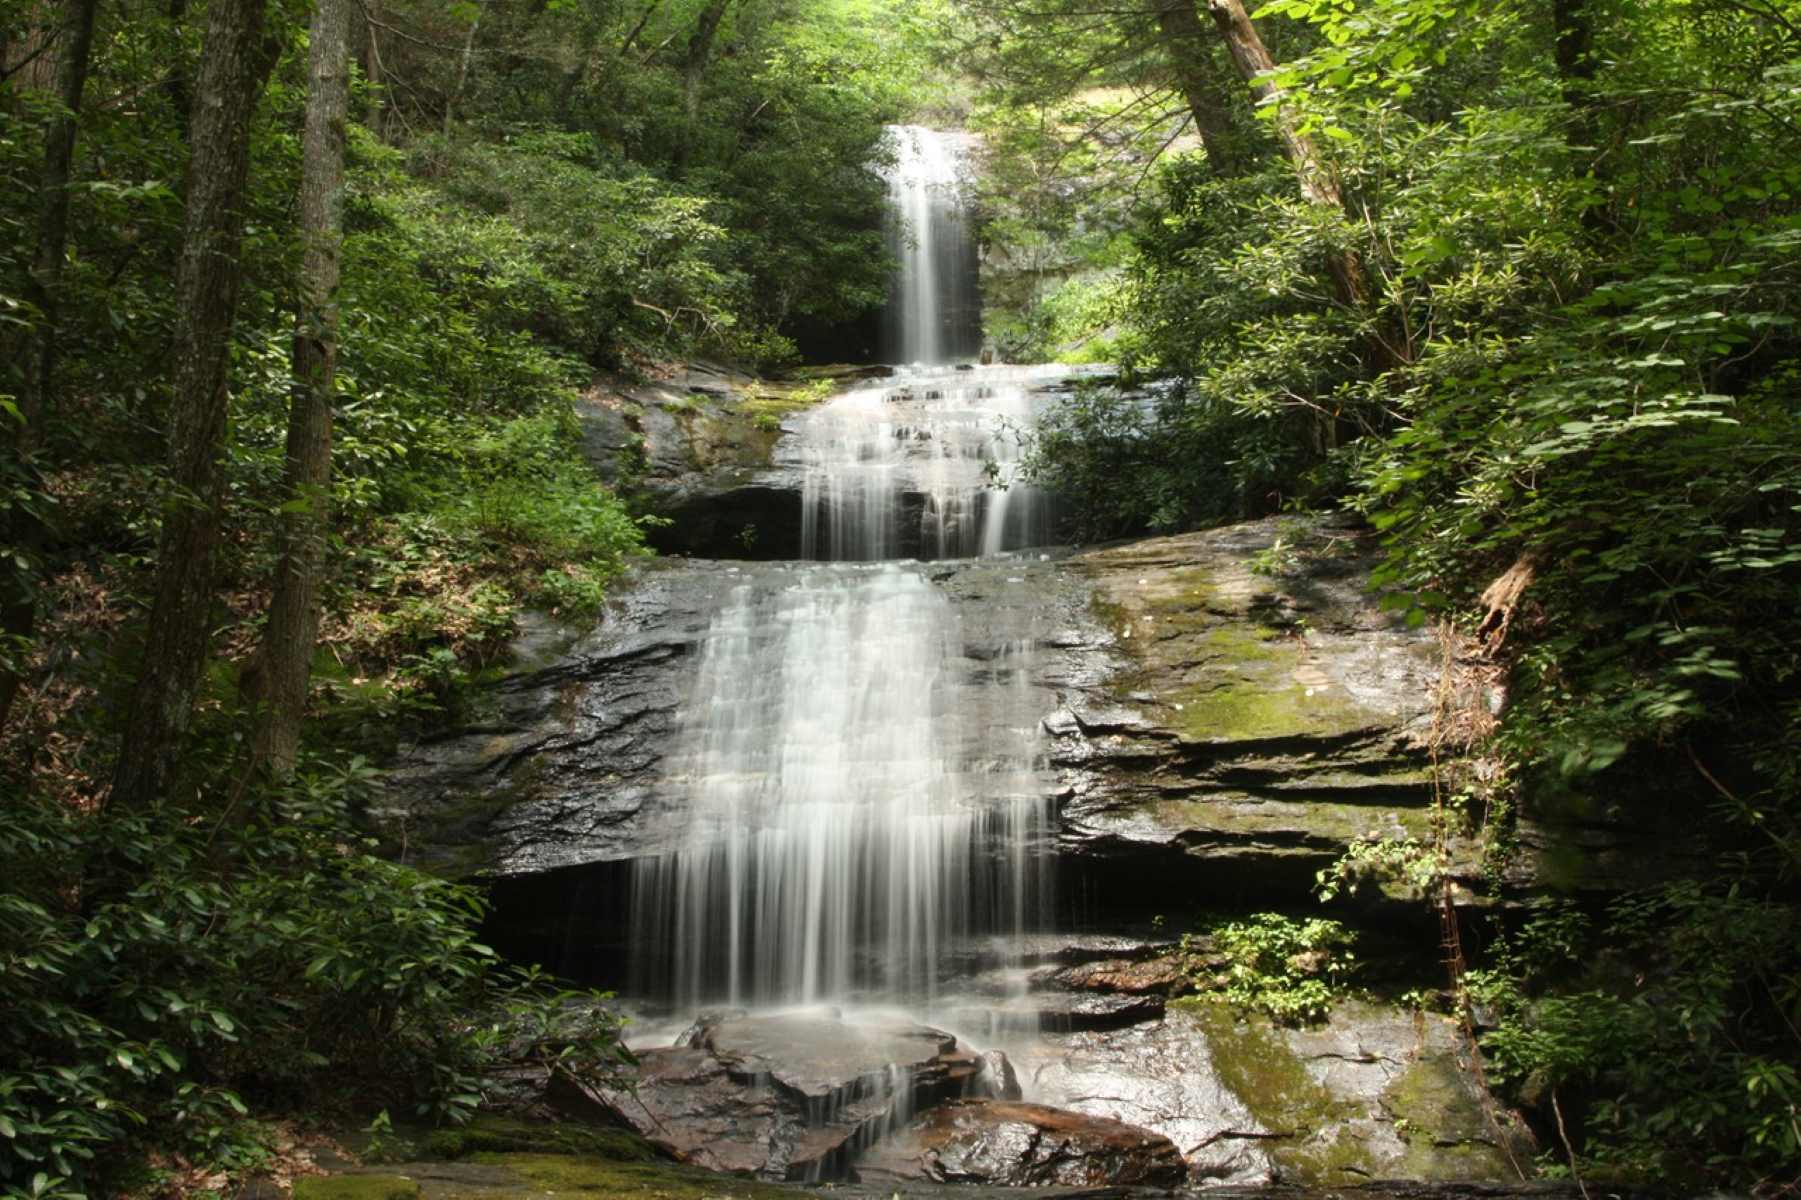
<point x="1285" y="967"/>
<point x="1666" y="1028"/>
<point x="157" y="969"/>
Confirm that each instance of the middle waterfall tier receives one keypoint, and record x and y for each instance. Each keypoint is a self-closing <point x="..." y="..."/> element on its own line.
<point x="862" y="796"/>
<point x="925" y="464"/>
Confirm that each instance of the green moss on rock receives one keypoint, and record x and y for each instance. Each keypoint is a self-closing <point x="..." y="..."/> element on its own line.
<point x="497" y="1135"/>
<point x="563" y="1175"/>
<point x="356" y="1187"/>
<point x="1315" y="1145"/>
<point x="1447" y="1136"/>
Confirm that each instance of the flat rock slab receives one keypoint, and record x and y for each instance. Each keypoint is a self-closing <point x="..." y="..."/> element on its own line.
<point x="823" y="1059"/>
<point x="1125" y="976"/>
<point x="1008" y="1143"/>
<point x="1061" y="1012"/>
<point x="790" y="1097"/>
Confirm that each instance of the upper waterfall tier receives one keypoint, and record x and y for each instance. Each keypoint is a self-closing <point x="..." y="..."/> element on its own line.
<point x="934" y="312"/>
<point x="923" y="465"/>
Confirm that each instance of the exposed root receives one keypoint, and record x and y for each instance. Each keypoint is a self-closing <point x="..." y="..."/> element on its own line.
<point x="1502" y="597"/>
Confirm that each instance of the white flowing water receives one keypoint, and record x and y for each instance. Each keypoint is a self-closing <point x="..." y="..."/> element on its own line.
<point x="924" y="465"/>
<point x="834" y="846"/>
<point x="864" y="787"/>
<point x="934" y="305"/>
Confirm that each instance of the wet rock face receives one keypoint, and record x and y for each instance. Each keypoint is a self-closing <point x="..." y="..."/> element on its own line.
<point x="1372" y="1092"/>
<point x="1011" y="1144"/>
<point x="1259" y="722"/>
<point x="794" y="1096"/>
<point x="579" y="762"/>
<point x="1158" y="1076"/>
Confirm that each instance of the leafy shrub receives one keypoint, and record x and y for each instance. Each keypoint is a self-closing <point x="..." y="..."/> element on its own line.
<point x="156" y="968"/>
<point x="1287" y="968"/>
<point x="1664" y="1031"/>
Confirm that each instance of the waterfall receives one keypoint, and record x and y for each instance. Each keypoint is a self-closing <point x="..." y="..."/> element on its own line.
<point x="864" y="777"/>
<point x="908" y="468"/>
<point x="934" y="307"/>
<point x="836" y="843"/>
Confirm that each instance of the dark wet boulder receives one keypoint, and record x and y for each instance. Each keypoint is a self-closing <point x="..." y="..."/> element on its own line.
<point x="789" y="1097"/>
<point x="1007" y="1143"/>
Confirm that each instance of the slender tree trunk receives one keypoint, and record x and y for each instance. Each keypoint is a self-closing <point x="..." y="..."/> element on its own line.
<point x="1186" y="46"/>
<point x="694" y="71"/>
<point x="293" y="627"/>
<point x="456" y="96"/>
<point x="1575" y="60"/>
<point x="234" y="66"/>
<point x="24" y="528"/>
<point x="1318" y="186"/>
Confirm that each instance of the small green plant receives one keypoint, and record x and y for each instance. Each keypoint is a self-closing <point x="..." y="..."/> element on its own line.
<point x="1415" y="867"/>
<point x="383" y="1144"/>
<point x="1278" y="559"/>
<point x="1290" y="969"/>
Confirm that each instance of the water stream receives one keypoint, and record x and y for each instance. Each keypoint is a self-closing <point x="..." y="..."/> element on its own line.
<point x="842" y="830"/>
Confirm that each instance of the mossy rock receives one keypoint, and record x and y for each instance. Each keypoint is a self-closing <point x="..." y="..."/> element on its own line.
<point x="356" y="1187"/>
<point x="502" y="1135"/>
<point x="562" y="1175"/>
<point x="1315" y="1142"/>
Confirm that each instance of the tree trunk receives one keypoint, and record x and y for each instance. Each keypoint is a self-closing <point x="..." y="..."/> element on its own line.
<point x="1185" y="44"/>
<point x="1318" y="186"/>
<point x="1575" y="55"/>
<point x="456" y="96"/>
<point x="24" y="528"/>
<point x="694" y="70"/>
<point x="293" y="626"/>
<point x="234" y="65"/>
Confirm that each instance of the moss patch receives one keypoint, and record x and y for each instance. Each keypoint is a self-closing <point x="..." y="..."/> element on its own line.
<point x="1257" y="1064"/>
<point x="1257" y="686"/>
<point x="495" y="1135"/>
<point x="1326" y="826"/>
<point x="1442" y="1123"/>
<point x="561" y="1175"/>
<point x="356" y="1187"/>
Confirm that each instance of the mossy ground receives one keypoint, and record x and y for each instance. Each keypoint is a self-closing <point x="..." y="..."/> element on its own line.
<point x="567" y="1175"/>
<point x="356" y="1187"/>
<point x="504" y="1158"/>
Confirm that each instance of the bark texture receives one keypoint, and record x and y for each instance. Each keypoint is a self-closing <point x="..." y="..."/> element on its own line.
<point x="694" y="71"/>
<point x="463" y="62"/>
<point x="1185" y="44"/>
<point x="293" y="626"/>
<point x="234" y="65"/>
<point x="1318" y="185"/>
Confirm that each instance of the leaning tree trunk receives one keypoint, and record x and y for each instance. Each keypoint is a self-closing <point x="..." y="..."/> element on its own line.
<point x="293" y="626"/>
<point x="1350" y="279"/>
<point x="1186" y="46"/>
<point x="24" y="528"/>
<point x="1318" y="186"/>
<point x="234" y="65"/>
